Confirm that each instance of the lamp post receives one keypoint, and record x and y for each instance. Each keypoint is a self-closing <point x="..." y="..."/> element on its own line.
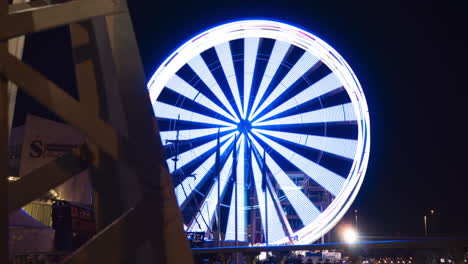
<point x="426" y="219"/>
<point x="355" y="220"/>
<point x="425" y="225"/>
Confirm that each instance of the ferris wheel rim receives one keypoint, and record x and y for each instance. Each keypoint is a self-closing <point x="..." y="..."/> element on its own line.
<point x="334" y="60"/>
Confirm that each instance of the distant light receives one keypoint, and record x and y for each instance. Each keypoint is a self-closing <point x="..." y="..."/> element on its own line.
<point x="262" y="256"/>
<point x="12" y="178"/>
<point x="350" y="235"/>
<point x="442" y="260"/>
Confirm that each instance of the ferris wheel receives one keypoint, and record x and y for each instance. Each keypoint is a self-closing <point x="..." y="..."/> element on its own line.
<point x="260" y="121"/>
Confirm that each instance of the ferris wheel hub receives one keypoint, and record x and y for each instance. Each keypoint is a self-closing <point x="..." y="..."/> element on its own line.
<point x="244" y="126"/>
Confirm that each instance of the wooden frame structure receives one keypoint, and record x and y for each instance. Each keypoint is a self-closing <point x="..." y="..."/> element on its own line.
<point x="137" y="214"/>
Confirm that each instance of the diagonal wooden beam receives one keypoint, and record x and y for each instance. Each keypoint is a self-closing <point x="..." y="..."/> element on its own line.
<point x="55" y="99"/>
<point x="41" y="180"/>
<point x="133" y="228"/>
<point x="28" y="20"/>
<point x="128" y="229"/>
<point x="18" y="7"/>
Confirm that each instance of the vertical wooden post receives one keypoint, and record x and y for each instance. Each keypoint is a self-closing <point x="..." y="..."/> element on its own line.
<point x="15" y="47"/>
<point x="3" y="152"/>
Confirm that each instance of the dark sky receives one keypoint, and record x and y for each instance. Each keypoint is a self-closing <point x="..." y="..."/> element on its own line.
<point x="410" y="58"/>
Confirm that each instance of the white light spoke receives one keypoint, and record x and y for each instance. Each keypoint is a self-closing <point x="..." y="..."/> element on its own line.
<point x="277" y="55"/>
<point x="241" y="201"/>
<point x="329" y="180"/>
<point x="208" y="207"/>
<point x="194" y="153"/>
<point x="337" y="113"/>
<point x="180" y="86"/>
<point x="189" y="134"/>
<point x="225" y="58"/>
<point x="338" y="146"/>
<point x="250" y="57"/>
<point x="304" y="208"/>
<point x="163" y="110"/>
<point x="304" y="64"/>
<point x="275" y="228"/>
<point x="325" y="85"/>
<point x="199" y="66"/>
<point x="191" y="182"/>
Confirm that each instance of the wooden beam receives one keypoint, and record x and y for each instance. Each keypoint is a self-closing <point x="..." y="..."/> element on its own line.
<point x="3" y="150"/>
<point x="58" y="101"/>
<point x="135" y="122"/>
<point x="15" y="47"/>
<point x="125" y="230"/>
<point x="41" y="180"/>
<point x="28" y="20"/>
<point x="17" y="7"/>
<point x="84" y="58"/>
<point x="133" y="228"/>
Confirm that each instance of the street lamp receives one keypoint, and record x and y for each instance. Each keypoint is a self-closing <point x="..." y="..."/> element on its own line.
<point x="425" y="225"/>
<point x="431" y="212"/>
<point x="355" y="219"/>
<point x="350" y="235"/>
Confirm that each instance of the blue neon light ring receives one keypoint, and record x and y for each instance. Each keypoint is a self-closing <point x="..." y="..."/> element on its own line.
<point x="281" y="91"/>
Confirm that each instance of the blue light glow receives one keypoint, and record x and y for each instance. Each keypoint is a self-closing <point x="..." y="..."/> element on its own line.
<point x="208" y="207"/>
<point x="331" y="181"/>
<point x="241" y="201"/>
<point x="275" y="228"/>
<point x="331" y="114"/>
<point x="194" y="153"/>
<point x="250" y="57"/>
<point x="199" y="66"/>
<point x="190" y="134"/>
<point x="325" y="85"/>
<point x="178" y="85"/>
<point x="305" y="63"/>
<point x="164" y="110"/>
<point x="338" y="146"/>
<point x="305" y="209"/>
<point x="190" y="183"/>
<point x="276" y="57"/>
<point x="225" y="58"/>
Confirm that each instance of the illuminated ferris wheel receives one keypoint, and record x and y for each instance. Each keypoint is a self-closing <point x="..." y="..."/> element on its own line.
<point x="258" y="117"/>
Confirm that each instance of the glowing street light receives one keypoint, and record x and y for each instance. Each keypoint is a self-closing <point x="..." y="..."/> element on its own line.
<point x="350" y="235"/>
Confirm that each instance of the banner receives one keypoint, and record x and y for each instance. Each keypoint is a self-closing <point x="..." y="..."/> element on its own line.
<point x="45" y="140"/>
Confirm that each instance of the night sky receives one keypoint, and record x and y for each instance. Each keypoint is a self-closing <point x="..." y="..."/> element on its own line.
<point x="410" y="58"/>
